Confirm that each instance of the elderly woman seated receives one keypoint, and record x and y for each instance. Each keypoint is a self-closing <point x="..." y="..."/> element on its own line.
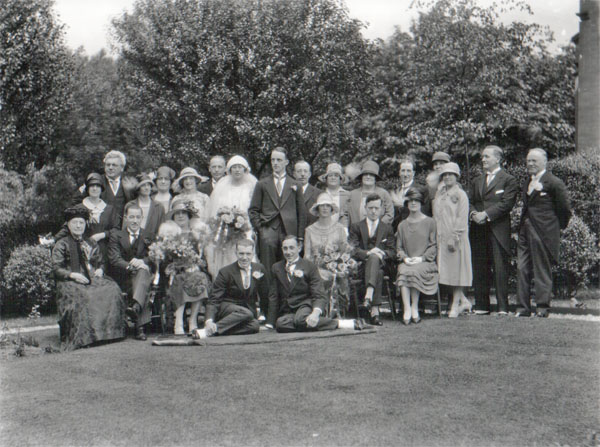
<point x="417" y="249"/>
<point x="90" y="305"/>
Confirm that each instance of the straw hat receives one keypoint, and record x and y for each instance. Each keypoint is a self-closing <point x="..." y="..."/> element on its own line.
<point x="189" y="172"/>
<point x="324" y="199"/>
<point x="333" y="168"/>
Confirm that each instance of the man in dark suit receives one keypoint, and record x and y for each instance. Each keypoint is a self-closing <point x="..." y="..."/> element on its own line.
<point x="118" y="190"/>
<point x="375" y="245"/>
<point x="216" y="167"/>
<point x="546" y="210"/>
<point x="302" y="175"/>
<point x="492" y="196"/>
<point x="276" y="210"/>
<point x="407" y="179"/>
<point x="231" y="308"/>
<point x="297" y="299"/>
<point x="130" y="266"/>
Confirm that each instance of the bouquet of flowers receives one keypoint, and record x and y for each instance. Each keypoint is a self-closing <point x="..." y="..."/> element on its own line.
<point x="230" y="225"/>
<point x="337" y="260"/>
<point x="182" y="255"/>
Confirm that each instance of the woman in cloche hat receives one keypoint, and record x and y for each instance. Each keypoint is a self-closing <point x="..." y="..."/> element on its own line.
<point x="187" y="186"/>
<point x="153" y="213"/>
<point x="451" y="214"/>
<point x="90" y="306"/>
<point x="334" y="178"/>
<point x="368" y="176"/>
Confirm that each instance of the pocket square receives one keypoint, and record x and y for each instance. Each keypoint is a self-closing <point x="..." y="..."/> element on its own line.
<point x="500" y="191"/>
<point x="543" y="193"/>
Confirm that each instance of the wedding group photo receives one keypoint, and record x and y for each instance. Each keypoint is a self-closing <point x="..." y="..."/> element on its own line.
<point x="300" y="222"/>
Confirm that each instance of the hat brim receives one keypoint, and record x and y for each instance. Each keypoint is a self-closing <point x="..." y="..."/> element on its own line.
<point x="170" y="214"/>
<point x="323" y="177"/>
<point x="314" y="210"/>
<point x="95" y="183"/>
<point x="377" y="176"/>
<point x="197" y="177"/>
<point x="143" y="182"/>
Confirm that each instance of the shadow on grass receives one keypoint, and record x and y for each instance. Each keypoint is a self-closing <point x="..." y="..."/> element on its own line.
<point x="470" y="381"/>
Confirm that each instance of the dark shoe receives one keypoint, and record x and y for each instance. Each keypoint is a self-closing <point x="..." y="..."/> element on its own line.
<point x="542" y="313"/>
<point x="134" y="311"/>
<point x="406" y="322"/>
<point x="141" y="335"/>
<point x="375" y="321"/>
<point x="416" y="320"/>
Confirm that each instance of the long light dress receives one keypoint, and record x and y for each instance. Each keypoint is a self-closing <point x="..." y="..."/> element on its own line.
<point x="418" y="239"/>
<point x="451" y="214"/>
<point x="229" y="194"/>
<point x="317" y="236"/>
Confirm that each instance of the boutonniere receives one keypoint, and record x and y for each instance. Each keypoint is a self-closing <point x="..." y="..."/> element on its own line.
<point x="294" y="187"/>
<point x="454" y="198"/>
<point x="257" y="275"/>
<point x="298" y="273"/>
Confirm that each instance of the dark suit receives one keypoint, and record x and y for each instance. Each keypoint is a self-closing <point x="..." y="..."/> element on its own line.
<point x="117" y="200"/>
<point x="310" y="197"/>
<point x="371" y="267"/>
<point x="402" y="212"/>
<point x="231" y="306"/>
<point x="156" y="216"/>
<point x="291" y="301"/>
<point x="275" y="217"/>
<point x="544" y="214"/>
<point x="490" y="242"/>
<point x="135" y="282"/>
<point x="206" y="187"/>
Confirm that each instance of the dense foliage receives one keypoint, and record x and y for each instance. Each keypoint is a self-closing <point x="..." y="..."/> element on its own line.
<point x="35" y="82"/>
<point x="237" y="76"/>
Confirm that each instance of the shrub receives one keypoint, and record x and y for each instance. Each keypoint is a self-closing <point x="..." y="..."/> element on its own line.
<point x="27" y="280"/>
<point x="578" y="255"/>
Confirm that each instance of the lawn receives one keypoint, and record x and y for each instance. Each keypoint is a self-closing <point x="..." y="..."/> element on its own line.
<point x="474" y="381"/>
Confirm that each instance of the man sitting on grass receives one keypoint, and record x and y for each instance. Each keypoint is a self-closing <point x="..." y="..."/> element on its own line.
<point x="297" y="298"/>
<point x="231" y="308"/>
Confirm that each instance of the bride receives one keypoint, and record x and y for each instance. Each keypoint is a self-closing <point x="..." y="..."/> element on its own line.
<point x="233" y="190"/>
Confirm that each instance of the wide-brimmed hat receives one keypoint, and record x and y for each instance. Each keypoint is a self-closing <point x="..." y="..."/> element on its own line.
<point x="415" y="194"/>
<point x="324" y="199"/>
<point x="94" y="179"/>
<point x="165" y="171"/>
<point x="441" y="156"/>
<point x="450" y="168"/>
<point x="189" y="172"/>
<point x="333" y="168"/>
<point x="143" y="179"/>
<point x="78" y="210"/>
<point x="370" y="167"/>
<point x="237" y="160"/>
<point x="180" y="205"/>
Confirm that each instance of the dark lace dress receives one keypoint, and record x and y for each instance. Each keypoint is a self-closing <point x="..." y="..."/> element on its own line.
<point x="87" y="313"/>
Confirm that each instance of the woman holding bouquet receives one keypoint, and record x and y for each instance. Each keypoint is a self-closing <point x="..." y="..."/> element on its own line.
<point x="327" y="238"/>
<point x="228" y="213"/>
<point x="451" y="214"/>
<point x="90" y="306"/>
<point x="183" y="255"/>
<point x="417" y="249"/>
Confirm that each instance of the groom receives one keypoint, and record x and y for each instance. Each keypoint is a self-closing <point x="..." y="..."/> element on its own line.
<point x="231" y="308"/>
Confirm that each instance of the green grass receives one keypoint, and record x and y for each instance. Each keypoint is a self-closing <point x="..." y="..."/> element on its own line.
<point x="471" y="381"/>
<point x="24" y="322"/>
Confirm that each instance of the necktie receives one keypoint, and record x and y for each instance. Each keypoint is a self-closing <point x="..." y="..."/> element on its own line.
<point x="289" y="267"/>
<point x="279" y="185"/>
<point x="532" y="184"/>
<point x="132" y="238"/>
<point x="372" y="229"/>
<point x="113" y="186"/>
<point x="246" y="279"/>
<point x="490" y="177"/>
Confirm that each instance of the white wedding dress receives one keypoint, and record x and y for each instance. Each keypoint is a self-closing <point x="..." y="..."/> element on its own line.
<point x="229" y="194"/>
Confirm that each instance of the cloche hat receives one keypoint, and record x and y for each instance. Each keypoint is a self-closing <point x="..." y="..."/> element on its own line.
<point x="333" y="168"/>
<point x="324" y="199"/>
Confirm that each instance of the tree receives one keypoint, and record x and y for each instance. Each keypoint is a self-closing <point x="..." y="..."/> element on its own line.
<point x="237" y="76"/>
<point x="462" y="79"/>
<point x="35" y="81"/>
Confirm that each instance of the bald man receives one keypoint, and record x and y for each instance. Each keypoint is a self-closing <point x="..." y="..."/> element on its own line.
<point x="546" y="210"/>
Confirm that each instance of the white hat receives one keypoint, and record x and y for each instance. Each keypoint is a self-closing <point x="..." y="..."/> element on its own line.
<point x="237" y="160"/>
<point x="324" y="199"/>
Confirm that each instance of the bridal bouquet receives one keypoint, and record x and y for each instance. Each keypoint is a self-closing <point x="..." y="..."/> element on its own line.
<point x="336" y="258"/>
<point x="230" y="225"/>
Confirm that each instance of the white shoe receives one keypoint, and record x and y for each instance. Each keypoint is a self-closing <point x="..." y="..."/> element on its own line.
<point x="453" y="313"/>
<point x="199" y="334"/>
<point x="261" y="318"/>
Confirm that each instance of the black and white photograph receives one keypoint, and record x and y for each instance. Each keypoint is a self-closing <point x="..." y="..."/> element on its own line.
<point x="300" y="223"/>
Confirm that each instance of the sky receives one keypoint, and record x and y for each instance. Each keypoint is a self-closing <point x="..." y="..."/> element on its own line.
<point x="87" y="22"/>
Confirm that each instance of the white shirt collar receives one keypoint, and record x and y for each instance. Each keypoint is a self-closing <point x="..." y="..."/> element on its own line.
<point x="538" y="176"/>
<point x="494" y="172"/>
<point x="304" y="188"/>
